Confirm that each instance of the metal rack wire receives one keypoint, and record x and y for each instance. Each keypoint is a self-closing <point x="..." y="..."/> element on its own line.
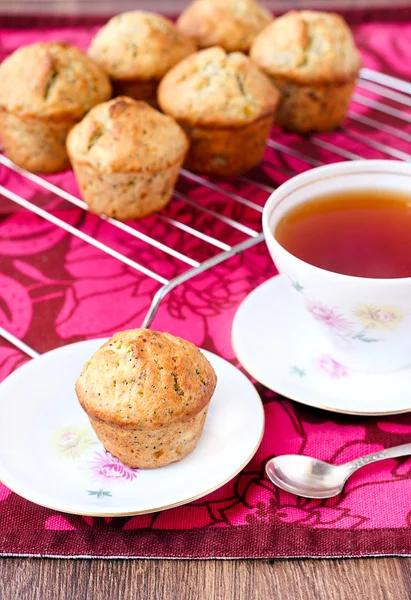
<point x="380" y="109"/>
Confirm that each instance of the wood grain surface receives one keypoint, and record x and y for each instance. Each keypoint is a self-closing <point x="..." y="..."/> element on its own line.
<point x="348" y="579"/>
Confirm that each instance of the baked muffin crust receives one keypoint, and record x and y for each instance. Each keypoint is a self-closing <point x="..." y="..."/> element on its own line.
<point x="215" y="89"/>
<point x="308" y="47"/>
<point x="125" y="135"/>
<point x="231" y="24"/>
<point x="139" y="45"/>
<point x="51" y="80"/>
<point x="144" y="378"/>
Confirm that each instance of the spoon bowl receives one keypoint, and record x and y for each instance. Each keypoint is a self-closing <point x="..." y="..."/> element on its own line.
<point x="313" y="478"/>
<point x="305" y="476"/>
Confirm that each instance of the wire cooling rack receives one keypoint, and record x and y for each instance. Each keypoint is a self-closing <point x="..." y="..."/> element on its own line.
<point x="378" y="125"/>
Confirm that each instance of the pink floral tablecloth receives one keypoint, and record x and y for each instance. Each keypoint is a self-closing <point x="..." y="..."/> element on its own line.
<point x="55" y="289"/>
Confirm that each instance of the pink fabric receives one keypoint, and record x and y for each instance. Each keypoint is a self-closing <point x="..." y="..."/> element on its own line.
<point x="55" y="289"/>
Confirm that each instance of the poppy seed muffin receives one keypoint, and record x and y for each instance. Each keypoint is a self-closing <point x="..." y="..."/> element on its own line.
<point x="226" y="106"/>
<point x="126" y="156"/>
<point x="46" y="88"/>
<point x="147" y="394"/>
<point x="312" y="59"/>
<point x="136" y="49"/>
<point x="231" y="24"/>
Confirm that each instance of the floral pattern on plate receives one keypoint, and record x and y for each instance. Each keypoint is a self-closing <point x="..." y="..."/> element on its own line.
<point x="99" y="493"/>
<point x="71" y="442"/>
<point x="107" y="468"/>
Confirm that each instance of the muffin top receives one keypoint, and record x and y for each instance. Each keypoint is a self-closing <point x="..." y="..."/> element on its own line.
<point x="139" y="45"/>
<point x="51" y="80"/>
<point x="144" y="378"/>
<point x="217" y="89"/>
<point x="231" y="24"/>
<point x="308" y="47"/>
<point x="125" y="135"/>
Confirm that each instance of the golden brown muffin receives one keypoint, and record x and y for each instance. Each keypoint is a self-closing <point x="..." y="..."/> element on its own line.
<point x="126" y="156"/>
<point x="46" y="88"/>
<point x="312" y="59"/>
<point x="231" y="24"/>
<point x="147" y="394"/>
<point x="136" y="49"/>
<point x="225" y="104"/>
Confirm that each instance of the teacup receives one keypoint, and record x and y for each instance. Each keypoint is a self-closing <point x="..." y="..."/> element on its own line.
<point x="366" y="322"/>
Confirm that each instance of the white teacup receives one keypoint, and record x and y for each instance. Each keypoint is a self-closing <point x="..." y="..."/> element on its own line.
<point x="367" y="322"/>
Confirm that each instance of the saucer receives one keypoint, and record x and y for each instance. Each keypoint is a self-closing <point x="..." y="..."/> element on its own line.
<point x="50" y="455"/>
<point x="280" y="348"/>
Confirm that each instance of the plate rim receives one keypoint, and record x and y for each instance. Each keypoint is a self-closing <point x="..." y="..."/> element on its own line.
<point x="167" y="506"/>
<point x="286" y="395"/>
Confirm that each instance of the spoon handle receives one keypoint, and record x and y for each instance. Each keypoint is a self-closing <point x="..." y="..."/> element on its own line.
<point x="393" y="452"/>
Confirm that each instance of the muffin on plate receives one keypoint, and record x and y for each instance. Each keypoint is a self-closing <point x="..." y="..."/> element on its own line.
<point x="225" y="104"/>
<point x="126" y="156"/>
<point x="136" y="49"/>
<point x="231" y="24"/>
<point x="46" y="88"/>
<point x="312" y="59"/>
<point x="147" y="394"/>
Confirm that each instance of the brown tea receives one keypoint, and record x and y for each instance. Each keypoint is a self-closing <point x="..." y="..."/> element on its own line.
<point x="365" y="233"/>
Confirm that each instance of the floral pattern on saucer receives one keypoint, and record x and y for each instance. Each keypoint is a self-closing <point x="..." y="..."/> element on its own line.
<point x="327" y="365"/>
<point x="324" y="364"/>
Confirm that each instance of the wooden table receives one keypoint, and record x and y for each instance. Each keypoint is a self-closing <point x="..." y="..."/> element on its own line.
<point x="351" y="579"/>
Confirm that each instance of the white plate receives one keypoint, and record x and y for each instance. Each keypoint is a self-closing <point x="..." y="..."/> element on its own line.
<point x="277" y="345"/>
<point x="50" y="455"/>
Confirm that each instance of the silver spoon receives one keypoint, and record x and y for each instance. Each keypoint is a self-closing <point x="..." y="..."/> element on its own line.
<point x="313" y="478"/>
